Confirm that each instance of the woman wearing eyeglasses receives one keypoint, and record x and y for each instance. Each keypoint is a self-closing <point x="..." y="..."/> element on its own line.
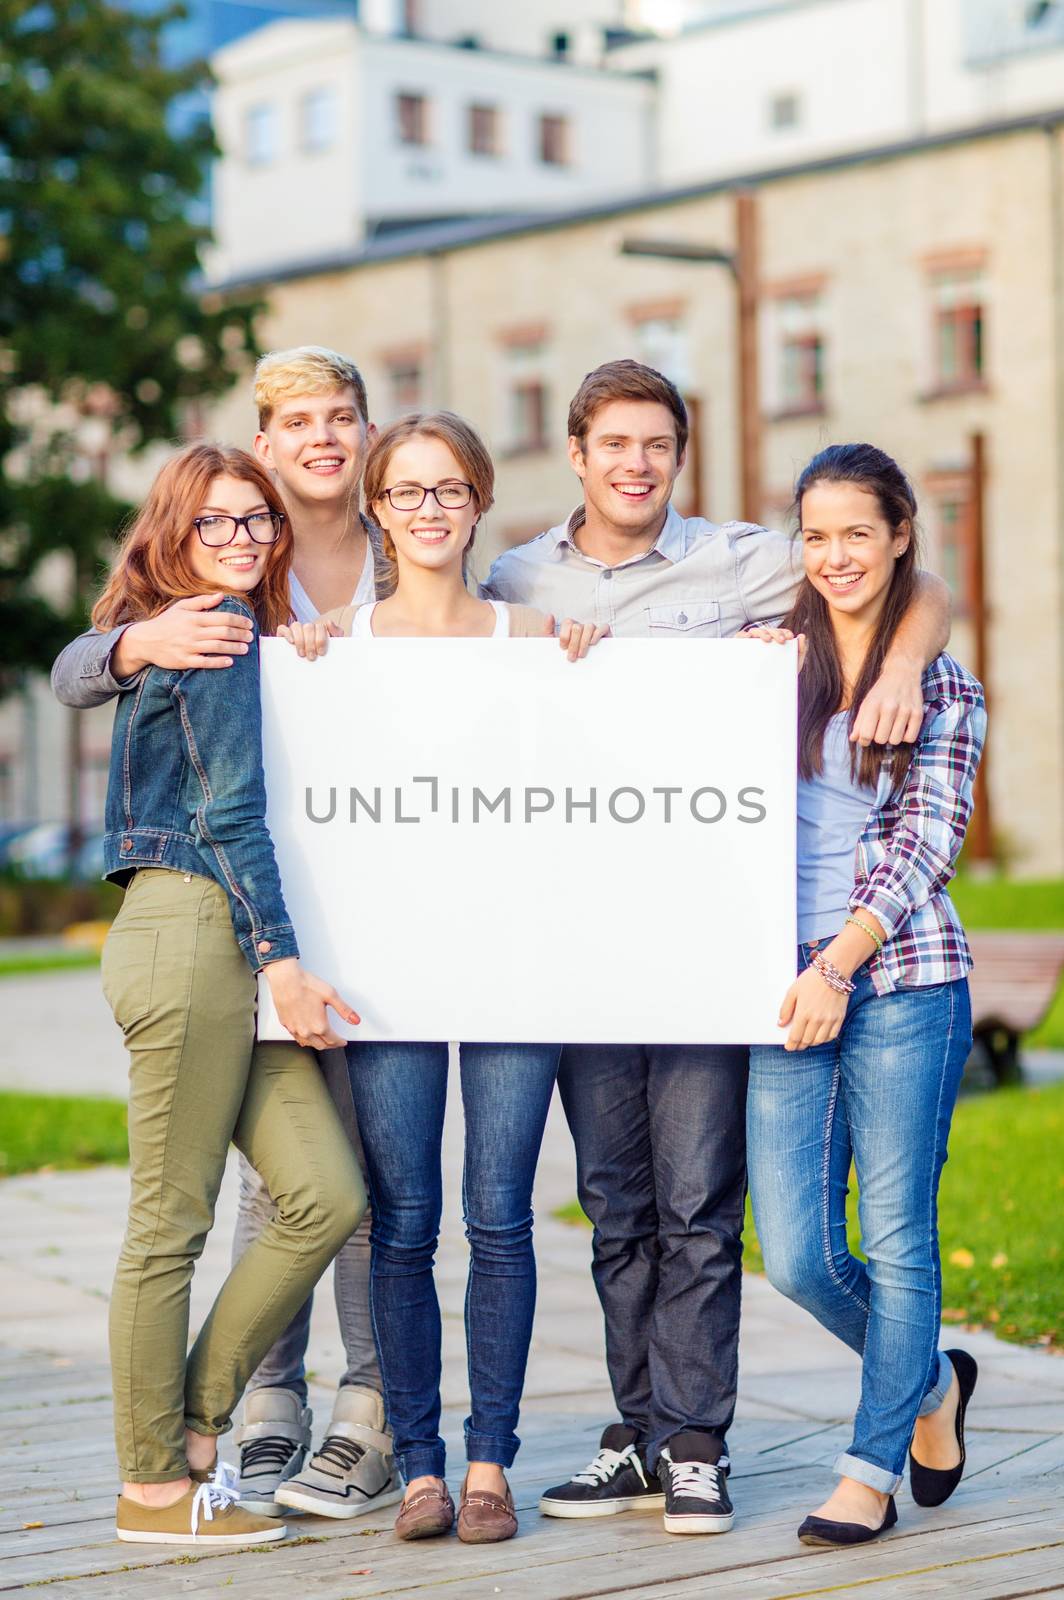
<point x="428" y="481"/>
<point x="203" y="913"/>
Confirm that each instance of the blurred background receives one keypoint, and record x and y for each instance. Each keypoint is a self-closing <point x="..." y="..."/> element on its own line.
<point x="823" y="219"/>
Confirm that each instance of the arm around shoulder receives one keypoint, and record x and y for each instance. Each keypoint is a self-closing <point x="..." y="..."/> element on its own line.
<point x="84" y="674"/>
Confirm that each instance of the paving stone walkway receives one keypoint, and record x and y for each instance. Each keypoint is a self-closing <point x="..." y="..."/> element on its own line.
<point x="1002" y="1534"/>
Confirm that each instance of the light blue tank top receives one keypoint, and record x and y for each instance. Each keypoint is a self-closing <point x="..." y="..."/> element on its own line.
<point x="832" y="812"/>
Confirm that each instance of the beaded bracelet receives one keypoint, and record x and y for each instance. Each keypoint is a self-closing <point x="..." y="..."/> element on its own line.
<point x="876" y="940"/>
<point x="832" y="976"/>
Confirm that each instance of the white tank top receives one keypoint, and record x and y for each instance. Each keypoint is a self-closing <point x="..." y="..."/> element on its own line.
<point x="362" y="627"/>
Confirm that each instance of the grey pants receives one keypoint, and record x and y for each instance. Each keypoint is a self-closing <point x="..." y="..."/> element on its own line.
<point x="284" y="1365"/>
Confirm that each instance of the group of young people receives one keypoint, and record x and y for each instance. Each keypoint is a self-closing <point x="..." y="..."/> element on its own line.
<point x="329" y="527"/>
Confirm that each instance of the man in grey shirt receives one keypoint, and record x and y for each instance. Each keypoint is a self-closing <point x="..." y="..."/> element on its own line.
<point x="660" y="1129"/>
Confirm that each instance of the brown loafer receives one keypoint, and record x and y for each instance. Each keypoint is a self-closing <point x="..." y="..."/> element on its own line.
<point x="427" y="1514"/>
<point x="485" y="1518"/>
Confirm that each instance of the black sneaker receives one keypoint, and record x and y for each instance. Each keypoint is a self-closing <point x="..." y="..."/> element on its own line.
<point x="692" y="1470"/>
<point x="617" y="1480"/>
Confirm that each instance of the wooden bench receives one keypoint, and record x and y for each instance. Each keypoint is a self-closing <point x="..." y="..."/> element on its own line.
<point x="1013" y="985"/>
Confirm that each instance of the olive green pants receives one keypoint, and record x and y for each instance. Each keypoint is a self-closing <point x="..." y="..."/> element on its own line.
<point x="184" y="996"/>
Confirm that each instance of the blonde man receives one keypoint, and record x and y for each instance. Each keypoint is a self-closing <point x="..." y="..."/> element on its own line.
<point x="313" y="432"/>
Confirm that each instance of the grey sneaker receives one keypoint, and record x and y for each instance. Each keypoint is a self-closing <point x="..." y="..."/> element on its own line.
<point x="354" y="1471"/>
<point x="274" y="1440"/>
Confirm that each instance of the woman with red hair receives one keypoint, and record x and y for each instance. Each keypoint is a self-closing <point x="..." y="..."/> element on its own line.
<point x="203" y="914"/>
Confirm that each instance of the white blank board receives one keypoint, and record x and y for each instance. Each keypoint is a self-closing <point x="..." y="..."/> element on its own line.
<point x="549" y="924"/>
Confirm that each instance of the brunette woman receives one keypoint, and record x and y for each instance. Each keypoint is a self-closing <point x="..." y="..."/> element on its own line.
<point x="428" y="482"/>
<point x="203" y="913"/>
<point x="878" y="1022"/>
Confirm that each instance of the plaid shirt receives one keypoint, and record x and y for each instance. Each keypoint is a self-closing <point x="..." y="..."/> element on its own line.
<point x="906" y="854"/>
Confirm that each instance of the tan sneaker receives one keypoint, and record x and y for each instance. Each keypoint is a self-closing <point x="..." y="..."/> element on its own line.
<point x="208" y="1514"/>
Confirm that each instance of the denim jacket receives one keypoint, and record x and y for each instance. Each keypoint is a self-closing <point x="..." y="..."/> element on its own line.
<point x="186" y="791"/>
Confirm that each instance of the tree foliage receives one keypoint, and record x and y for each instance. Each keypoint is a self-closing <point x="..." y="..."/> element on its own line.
<point x="103" y="323"/>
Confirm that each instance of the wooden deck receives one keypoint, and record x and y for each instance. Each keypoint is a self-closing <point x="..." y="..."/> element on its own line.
<point x="1001" y="1535"/>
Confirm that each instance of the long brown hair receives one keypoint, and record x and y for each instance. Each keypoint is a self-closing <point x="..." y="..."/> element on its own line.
<point x="153" y="567"/>
<point x="820" y="686"/>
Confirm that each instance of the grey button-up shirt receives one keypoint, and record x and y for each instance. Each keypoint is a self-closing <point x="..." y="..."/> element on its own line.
<point x="699" y="580"/>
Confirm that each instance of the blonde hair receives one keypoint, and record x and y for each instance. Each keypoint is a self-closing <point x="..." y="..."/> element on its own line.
<point x="460" y="437"/>
<point x="308" y="369"/>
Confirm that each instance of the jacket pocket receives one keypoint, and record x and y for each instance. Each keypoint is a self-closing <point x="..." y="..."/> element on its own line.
<point x="127" y="967"/>
<point x="696" y="620"/>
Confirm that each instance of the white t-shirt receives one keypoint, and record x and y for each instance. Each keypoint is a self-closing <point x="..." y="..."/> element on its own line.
<point x="362" y="627"/>
<point x="303" y="607"/>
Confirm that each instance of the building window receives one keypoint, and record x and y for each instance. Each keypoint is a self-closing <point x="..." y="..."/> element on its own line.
<point x="663" y="342"/>
<point x="950" y="497"/>
<point x="412" y="118"/>
<point x="959" y="333"/>
<point x="485" y="131"/>
<point x="784" y="111"/>
<point x="526" y="396"/>
<point x="554" y="140"/>
<point x="405" y="377"/>
<point x="317" y="119"/>
<point x="260" y="135"/>
<point x="801" y="385"/>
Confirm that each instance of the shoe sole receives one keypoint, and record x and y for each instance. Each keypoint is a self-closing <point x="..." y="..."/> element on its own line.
<point x="695" y="1524"/>
<point x="292" y="1499"/>
<point x="600" y="1508"/>
<point x="419" y="1531"/>
<point x="270" y="1536"/>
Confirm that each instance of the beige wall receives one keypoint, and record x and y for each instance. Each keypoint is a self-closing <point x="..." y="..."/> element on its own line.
<point x="868" y="229"/>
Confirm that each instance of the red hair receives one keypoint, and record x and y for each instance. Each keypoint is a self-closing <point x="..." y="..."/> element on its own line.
<point x="153" y="567"/>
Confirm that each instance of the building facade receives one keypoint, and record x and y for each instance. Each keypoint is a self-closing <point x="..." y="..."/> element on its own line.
<point x="330" y="132"/>
<point x="913" y="296"/>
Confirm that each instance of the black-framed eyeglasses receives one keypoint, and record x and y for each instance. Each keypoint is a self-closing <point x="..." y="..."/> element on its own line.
<point x="449" y="496"/>
<point x="216" y="531"/>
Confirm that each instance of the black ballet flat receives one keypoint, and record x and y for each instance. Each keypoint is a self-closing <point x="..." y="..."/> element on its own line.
<point x="932" y="1486"/>
<point x="821" y="1530"/>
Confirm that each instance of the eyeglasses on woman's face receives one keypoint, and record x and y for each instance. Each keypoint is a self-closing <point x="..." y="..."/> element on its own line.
<point x="452" y="495"/>
<point x="216" y="530"/>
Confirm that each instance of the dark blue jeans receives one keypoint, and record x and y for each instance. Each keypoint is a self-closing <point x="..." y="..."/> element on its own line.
<point x="660" y="1134"/>
<point x="881" y="1095"/>
<point x="400" y="1092"/>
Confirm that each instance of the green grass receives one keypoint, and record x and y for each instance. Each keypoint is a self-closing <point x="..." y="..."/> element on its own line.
<point x="52" y="961"/>
<point x="1001" y="1216"/>
<point x="44" y="1130"/>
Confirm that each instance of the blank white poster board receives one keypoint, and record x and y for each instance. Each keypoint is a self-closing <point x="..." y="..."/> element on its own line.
<point x="481" y="840"/>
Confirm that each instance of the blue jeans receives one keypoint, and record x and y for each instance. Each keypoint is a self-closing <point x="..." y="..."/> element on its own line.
<point x="400" y="1092"/>
<point x="660" y="1131"/>
<point x="881" y="1094"/>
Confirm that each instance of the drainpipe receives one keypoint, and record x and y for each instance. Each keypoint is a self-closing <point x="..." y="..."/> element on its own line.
<point x="1056" y="246"/>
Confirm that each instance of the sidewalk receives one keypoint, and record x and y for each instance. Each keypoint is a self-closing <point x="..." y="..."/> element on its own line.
<point x="1001" y="1535"/>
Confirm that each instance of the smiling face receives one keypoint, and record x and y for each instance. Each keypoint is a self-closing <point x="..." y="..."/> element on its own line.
<point x="849" y="548"/>
<point x="237" y="567"/>
<point x="316" y="444"/>
<point x="628" y="463"/>
<point x="433" y="535"/>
